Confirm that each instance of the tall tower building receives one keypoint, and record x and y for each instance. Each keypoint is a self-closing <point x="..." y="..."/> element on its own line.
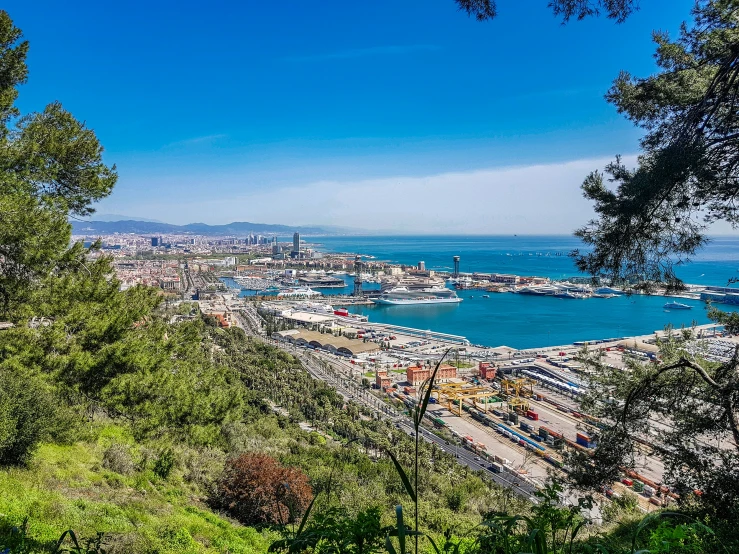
<point x="456" y="266"/>
<point x="421" y="266"/>
<point x="357" y="276"/>
<point x="296" y="242"/>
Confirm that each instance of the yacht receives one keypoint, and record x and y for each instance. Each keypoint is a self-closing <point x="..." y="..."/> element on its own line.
<point x="298" y="293"/>
<point x="677" y="306"/>
<point x="403" y="296"/>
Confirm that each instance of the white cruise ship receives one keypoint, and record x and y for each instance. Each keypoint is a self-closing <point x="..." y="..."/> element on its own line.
<point x="402" y="296"/>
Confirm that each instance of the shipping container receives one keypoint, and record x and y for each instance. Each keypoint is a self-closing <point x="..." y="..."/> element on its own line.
<point x="638" y="486"/>
<point x="531" y="414"/>
<point x="656" y="501"/>
<point x="551" y="432"/>
<point x="628" y="482"/>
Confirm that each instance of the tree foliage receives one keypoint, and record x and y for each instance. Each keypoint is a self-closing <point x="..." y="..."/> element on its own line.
<point x="686" y="409"/>
<point x="27" y="415"/>
<point x="484" y="10"/>
<point x="256" y="489"/>
<point x="51" y="168"/>
<point x="687" y="177"/>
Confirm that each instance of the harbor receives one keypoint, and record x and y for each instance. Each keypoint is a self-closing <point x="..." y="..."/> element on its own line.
<point x="516" y="410"/>
<point x="509" y="348"/>
<point x="517" y="320"/>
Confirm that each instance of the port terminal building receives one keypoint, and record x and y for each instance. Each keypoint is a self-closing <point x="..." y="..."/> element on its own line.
<point x="326" y="341"/>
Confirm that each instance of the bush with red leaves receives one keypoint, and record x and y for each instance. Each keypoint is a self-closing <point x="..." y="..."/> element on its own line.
<point x="256" y="489"/>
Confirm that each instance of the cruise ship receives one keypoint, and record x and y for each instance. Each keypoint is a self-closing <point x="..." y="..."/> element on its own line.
<point x="403" y="296"/>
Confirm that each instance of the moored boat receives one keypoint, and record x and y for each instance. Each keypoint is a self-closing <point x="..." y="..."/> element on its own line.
<point x="677" y="306"/>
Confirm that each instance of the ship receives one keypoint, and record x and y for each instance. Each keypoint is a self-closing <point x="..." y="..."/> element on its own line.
<point x="403" y="296"/>
<point x="298" y="293"/>
<point x="677" y="306"/>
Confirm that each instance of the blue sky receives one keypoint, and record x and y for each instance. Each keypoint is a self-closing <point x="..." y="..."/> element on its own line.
<point x="326" y="112"/>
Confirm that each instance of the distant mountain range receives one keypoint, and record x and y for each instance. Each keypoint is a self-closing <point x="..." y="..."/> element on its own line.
<point x="237" y="228"/>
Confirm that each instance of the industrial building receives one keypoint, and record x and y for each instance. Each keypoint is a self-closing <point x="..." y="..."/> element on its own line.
<point x="382" y="381"/>
<point x="326" y="341"/>
<point x="419" y="374"/>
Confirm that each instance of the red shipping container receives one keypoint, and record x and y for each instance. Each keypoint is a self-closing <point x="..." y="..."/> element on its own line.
<point x="627" y="482"/>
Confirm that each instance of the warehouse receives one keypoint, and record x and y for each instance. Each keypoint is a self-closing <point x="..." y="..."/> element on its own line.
<point x="327" y="341"/>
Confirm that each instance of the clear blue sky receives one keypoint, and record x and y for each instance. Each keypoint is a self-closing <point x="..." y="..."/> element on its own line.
<point x="321" y="112"/>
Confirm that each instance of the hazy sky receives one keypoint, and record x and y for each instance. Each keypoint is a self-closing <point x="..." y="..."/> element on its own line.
<point x="401" y="115"/>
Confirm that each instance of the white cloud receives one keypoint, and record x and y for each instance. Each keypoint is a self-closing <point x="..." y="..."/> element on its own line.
<point x="530" y="199"/>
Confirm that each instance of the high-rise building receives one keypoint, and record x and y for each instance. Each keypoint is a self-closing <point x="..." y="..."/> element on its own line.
<point x="156" y="241"/>
<point x="421" y="266"/>
<point x="456" y="266"/>
<point x="357" y="276"/>
<point x="296" y="242"/>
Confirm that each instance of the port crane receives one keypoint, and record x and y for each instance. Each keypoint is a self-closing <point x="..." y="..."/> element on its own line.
<point x="456" y="393"/>
<point x="518" y="387"/>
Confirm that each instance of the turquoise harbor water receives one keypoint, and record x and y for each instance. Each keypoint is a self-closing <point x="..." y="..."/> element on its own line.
<point x="522" y="321"/>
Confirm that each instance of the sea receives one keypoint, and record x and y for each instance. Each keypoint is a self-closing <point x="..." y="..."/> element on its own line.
<point x="522" y="321"/>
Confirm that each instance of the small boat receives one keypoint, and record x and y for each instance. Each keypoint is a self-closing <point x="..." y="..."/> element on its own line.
<point x="677" y="306"/>
<point x="486" y="296"/>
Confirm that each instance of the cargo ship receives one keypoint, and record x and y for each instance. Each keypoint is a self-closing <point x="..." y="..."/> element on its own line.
<point x="402" y="296"/>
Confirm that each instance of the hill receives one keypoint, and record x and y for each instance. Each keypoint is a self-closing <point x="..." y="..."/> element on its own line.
<point x="238" y="228"/>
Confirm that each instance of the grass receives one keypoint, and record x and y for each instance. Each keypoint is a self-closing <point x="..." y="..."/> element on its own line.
<point x="67" y="487"/>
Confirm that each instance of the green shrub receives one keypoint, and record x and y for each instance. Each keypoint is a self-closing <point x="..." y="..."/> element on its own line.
<point x="117" y="458"/>
<point x="27" y="415"/>
<point x="164" y="463"/>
